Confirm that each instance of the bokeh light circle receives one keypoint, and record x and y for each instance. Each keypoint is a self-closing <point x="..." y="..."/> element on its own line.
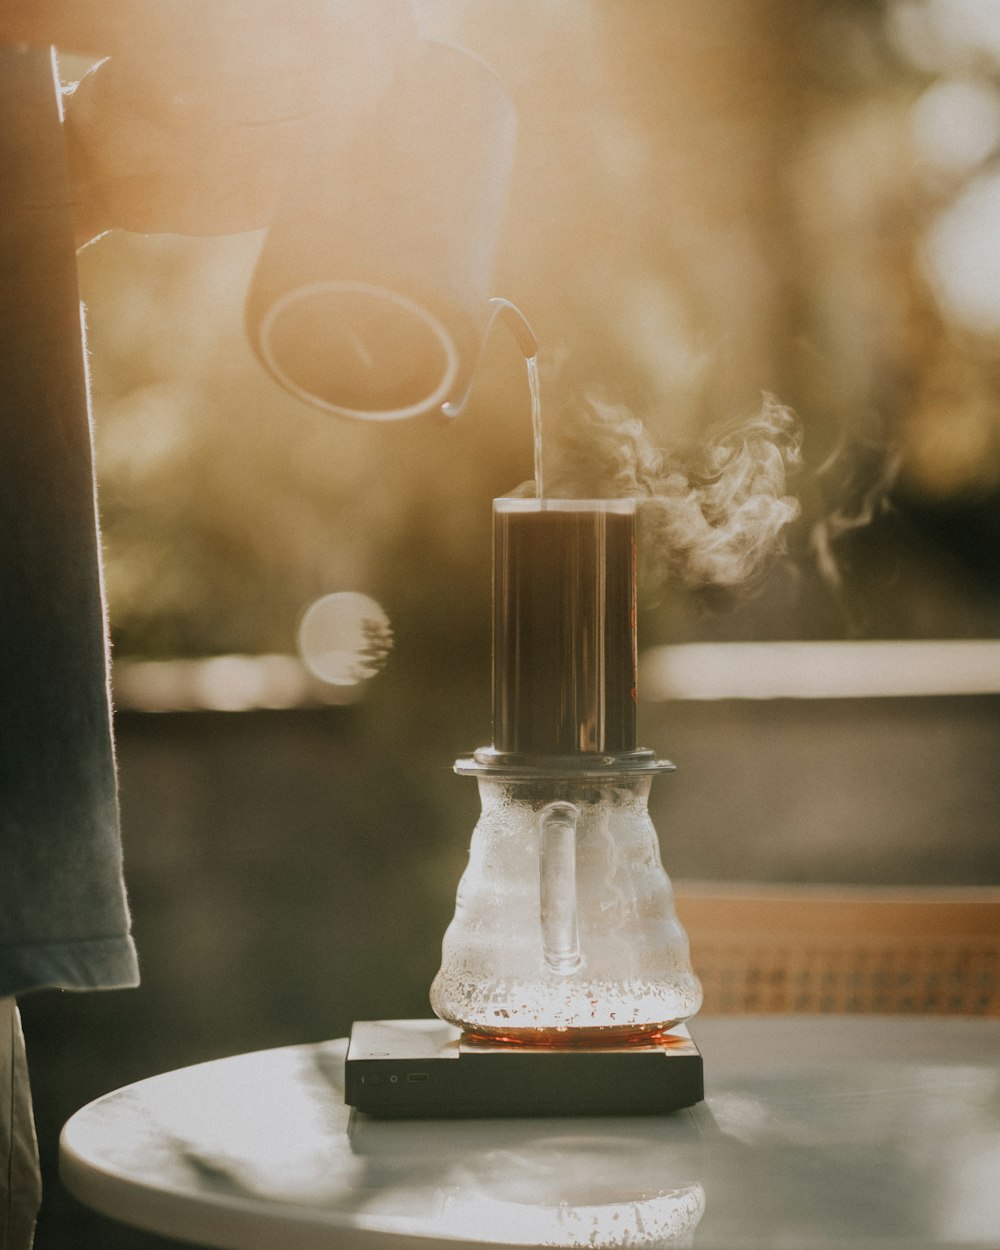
<point x="345" y="638"/>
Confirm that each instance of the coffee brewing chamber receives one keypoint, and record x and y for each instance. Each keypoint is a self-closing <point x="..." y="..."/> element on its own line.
<point x="565" y="929"/>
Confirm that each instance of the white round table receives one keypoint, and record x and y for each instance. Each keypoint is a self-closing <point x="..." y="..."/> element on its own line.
<point x="816" y="1132"/>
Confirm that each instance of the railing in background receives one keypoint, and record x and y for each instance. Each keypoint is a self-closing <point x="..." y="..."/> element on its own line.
<point x="819" y="670"/>
<point x="812" y="948"/>
<point x="223" y="683"/>
<point x="689" y="671"/>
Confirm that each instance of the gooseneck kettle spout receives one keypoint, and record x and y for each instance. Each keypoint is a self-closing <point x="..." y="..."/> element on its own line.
<point x="523" y="333"/>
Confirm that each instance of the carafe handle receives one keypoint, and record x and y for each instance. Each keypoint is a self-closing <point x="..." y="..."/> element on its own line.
<point x="557" y="880"/>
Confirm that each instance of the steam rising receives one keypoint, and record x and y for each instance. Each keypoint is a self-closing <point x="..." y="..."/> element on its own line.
<point x="860" y="476"/>
<point x="715" y="517"/>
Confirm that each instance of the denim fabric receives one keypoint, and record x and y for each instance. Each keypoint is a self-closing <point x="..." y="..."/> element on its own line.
<point x="20" y="1184"/>
<point x="63" y="918"/>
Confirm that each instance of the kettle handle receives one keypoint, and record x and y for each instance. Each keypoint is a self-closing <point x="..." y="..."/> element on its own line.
<point x="557" y="881"/>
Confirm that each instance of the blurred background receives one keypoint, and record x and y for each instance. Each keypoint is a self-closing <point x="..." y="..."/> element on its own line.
<point x="793" y="196"/>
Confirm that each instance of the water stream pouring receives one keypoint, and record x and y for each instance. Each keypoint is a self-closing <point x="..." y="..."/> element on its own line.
<point x="565" y="931"/>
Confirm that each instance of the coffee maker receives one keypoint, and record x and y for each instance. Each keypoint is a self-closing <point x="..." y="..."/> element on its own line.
<point x="565" y="983"/>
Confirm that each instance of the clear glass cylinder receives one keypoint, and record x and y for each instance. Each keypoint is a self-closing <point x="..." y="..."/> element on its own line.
<point x="564" y="626"/>
<point x="565" y="929"/>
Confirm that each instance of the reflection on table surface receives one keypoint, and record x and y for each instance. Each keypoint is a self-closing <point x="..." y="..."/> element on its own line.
<point x="815" y="1132"/>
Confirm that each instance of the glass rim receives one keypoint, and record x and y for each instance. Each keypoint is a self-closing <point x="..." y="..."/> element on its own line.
<point x="532" y="503"/>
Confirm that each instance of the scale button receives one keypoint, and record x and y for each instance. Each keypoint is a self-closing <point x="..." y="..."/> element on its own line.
<point x="372" y="1078"/>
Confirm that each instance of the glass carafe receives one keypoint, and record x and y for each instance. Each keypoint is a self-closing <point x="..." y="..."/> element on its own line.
<point x="565" y="928"/>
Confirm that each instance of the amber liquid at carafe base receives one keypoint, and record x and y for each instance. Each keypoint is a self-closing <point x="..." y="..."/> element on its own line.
<point x="591" y="1039"/>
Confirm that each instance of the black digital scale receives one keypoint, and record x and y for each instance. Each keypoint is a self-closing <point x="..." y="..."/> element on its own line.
<point x="426" y="1069"/>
